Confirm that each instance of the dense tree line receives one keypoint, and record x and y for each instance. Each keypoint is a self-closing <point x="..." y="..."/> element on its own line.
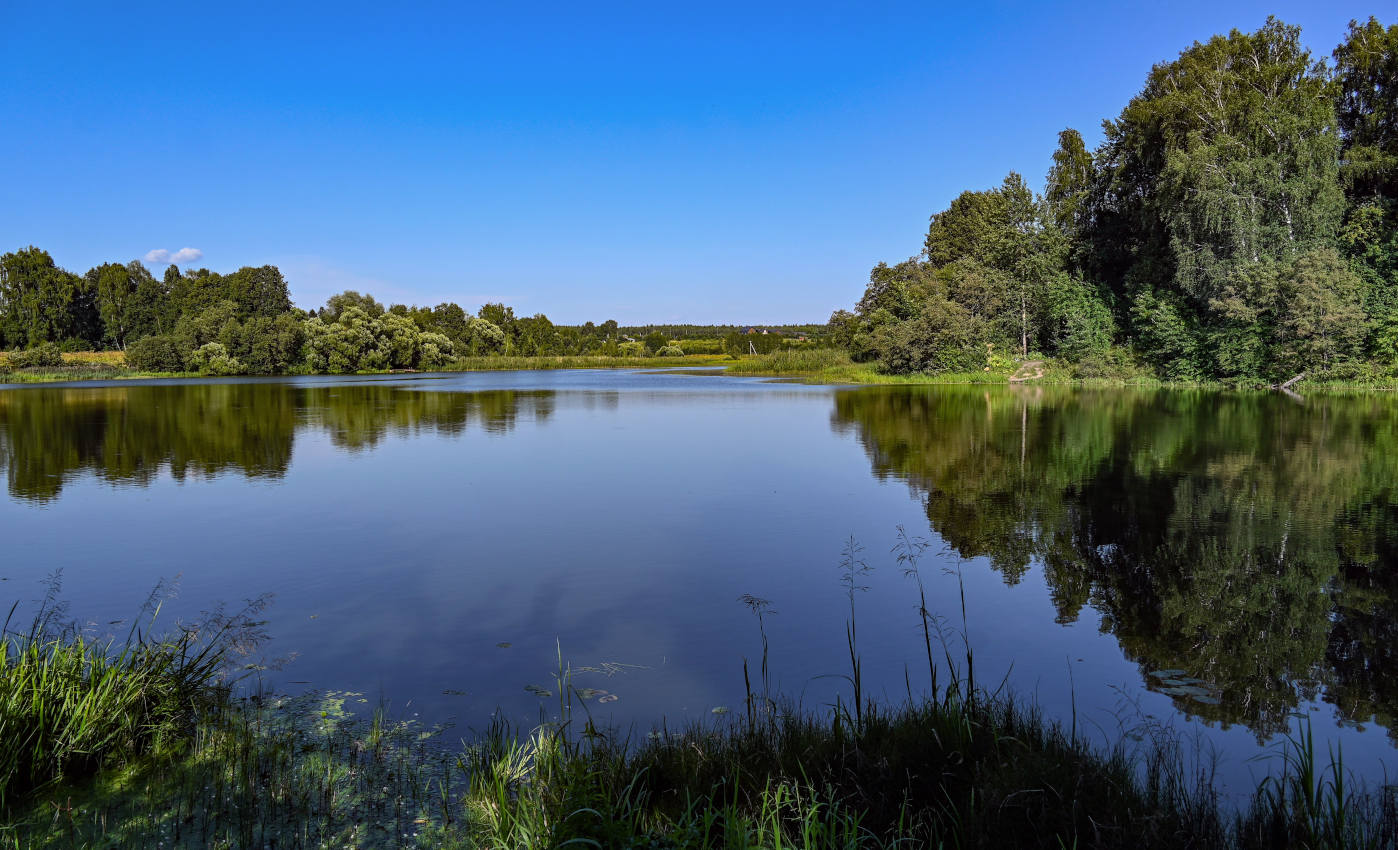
<point x="244" y="322"/>
<point x="1239" y="220"/>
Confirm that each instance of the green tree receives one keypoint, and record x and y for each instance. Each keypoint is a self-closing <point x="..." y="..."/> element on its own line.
<point x="1366" y="74"/>
<point x="260" y="291"/>
<point x="150" y="303"/>
<point x="1227" y="157"/>
<point x="483" y="337"/>
<point x="116" y="301"/>
<point x="1069" y="181"/>
<point x="40" y="302"/>
<point x="450" y="320"/>
<point x="655" y="340"/>
<point x="335" y="304"/>
<point x="1321" y="318"/>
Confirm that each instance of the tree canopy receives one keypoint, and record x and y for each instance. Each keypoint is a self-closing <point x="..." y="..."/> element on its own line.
<point x="1238" y="221"/>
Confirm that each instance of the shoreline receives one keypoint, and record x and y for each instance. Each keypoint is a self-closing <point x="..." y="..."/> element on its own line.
<point x="817" y="367"/>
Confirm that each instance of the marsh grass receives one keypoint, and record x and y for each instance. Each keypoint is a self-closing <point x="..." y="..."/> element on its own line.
<point x="799" y="361"/>
<point x="71" y="704"/>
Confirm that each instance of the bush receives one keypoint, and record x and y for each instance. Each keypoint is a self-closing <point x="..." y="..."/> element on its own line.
<point x="212" y="358"/>
<point x="632" y="349"/>
<point x="435" y="350"/>
<point x="46" y="354"/>
<point x="155" y="354"/>
<point x="670" y="350"/>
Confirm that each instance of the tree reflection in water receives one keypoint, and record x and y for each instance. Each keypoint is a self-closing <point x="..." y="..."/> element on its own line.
<point x="1247" y="539"/>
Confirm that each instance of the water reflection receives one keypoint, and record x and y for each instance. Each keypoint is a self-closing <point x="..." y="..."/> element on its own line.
<point x="1243" y="543"/>
<point x="128" y="435"/>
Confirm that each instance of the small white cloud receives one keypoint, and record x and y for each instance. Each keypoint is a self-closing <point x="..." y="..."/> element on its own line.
<point x="164" y="255"/>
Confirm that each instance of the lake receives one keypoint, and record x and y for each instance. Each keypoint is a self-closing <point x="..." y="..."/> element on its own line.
<point x="1219" y="564"/>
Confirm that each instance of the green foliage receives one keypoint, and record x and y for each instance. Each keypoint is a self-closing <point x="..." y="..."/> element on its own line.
<point x="670" y="350"/>
<point x="1069" y="181"/>
<point x="632" y="349"/>
<point x="1366" y="65"/>
<point x="434" y="350"/>
<point x="349" y="298"/>
<point x="655" y="341"/>
<point x="212" y="358"/>
<point x="1203" y="232"/>
<point x="69" y="705"/>
<point x="40" y="302"/>
<point x="483" y="337"/>
<point x="1167" y="336"/>
<point x="45" y="354"/>
<point x="156" y="354"/>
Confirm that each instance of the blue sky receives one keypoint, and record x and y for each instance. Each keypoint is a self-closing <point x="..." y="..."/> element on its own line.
<point x="663" y="162"/>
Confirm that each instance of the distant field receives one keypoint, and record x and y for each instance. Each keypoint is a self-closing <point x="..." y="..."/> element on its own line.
<point x="105" y="358"/>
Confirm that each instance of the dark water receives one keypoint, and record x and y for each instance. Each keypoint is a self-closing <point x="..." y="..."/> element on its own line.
<point x="1220" y="563"/>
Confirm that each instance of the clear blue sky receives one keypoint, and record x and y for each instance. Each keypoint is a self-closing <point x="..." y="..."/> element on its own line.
<point x="666" y="162"/>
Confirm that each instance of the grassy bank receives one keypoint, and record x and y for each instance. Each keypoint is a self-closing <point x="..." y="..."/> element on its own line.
<point x="110" y="365"/>
<point x="811" y="366"/>
<point x="141" y="745"/>
<point x="75" y="366"/>
<point x="832" y="366"/>
<point x="487" y="364"/>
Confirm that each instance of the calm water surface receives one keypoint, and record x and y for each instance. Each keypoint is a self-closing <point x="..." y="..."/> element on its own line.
<point x="1220" y="563"/>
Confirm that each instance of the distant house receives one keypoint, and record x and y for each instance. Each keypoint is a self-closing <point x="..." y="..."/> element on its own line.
<point x="756" y="331"/>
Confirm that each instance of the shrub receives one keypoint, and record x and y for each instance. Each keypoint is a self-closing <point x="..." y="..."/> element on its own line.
<point x="670" y="350"/>
<point x="155" y="354"/>
<point x="435" y="350"/>
<point x="46" y="354"/>
<point x="212" y="358"/>
<point x="632" y="349"/>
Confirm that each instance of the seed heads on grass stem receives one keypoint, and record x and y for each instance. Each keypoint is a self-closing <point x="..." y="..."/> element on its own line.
<point x="852" y="569"/>
<point x="759" y="607"/>
<point x="909" y="551"/>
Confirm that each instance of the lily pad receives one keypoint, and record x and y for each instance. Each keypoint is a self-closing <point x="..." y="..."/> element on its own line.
<point x="719" y="709"/>
<point x="1208" y="700"/>
<point x="504" y="644"/>
<point x="590" y="693"/>
<point x="538" y="691"/>
<point x="609" y="698"/>
<point x="1167" y="674"/>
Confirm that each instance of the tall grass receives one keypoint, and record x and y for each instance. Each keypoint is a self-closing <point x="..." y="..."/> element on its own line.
<point x="587" y="361"/>
<point x="70" y="704"/>
<point x="798" y="361"/>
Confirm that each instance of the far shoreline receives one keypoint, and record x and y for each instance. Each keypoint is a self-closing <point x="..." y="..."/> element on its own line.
<point x="818" y="367"/>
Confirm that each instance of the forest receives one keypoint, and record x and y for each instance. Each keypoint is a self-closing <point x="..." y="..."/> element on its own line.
<point x="245" y="323"/>
<point x="1238" y="221"/>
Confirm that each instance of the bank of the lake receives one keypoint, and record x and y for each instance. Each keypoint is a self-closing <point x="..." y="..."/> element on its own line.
<point x="109" y="365"/>
<point x="834" y="367"/>
<point x="139" y="744"/>
<point x="810" y="366"/>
